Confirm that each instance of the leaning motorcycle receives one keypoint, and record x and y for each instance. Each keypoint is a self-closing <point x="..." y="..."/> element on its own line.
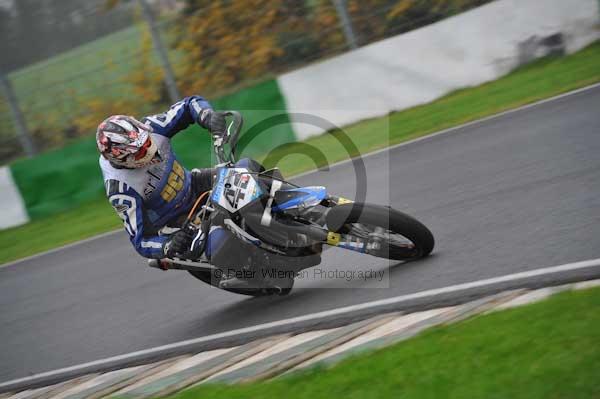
<point x="286" y="225"/>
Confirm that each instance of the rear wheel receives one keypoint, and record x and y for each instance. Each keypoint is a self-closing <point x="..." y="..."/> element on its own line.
<point x="391" y="234"/>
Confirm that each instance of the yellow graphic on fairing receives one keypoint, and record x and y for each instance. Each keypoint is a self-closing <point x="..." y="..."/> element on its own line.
<point x="343" y="200"/>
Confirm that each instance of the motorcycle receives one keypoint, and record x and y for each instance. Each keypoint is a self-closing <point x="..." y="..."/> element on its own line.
<point x="286" y="225"/>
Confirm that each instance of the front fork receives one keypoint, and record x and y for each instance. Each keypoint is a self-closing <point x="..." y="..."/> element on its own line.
<point x="347" y="241"/>
<point x="352" y="243"/>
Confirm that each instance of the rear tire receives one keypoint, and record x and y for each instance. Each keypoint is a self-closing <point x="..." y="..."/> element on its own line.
<point x="340" y="219"/>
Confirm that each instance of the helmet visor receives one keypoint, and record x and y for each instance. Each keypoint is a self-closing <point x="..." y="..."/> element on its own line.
<point x="143" y="151"/>
<point x="146" y="154"/>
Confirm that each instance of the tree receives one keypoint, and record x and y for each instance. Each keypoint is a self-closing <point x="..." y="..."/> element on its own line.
<point x="147" y="91"/>
<point x="227" y="43"/>
<point x="411" y="14"/>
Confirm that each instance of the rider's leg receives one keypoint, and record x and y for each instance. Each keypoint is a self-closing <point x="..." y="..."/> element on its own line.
<point x="217" y="237"/>
<point x="222" y="248"/>
<point x="234" y="258"/>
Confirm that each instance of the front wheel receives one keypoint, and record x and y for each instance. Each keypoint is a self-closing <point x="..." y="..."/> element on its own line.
<point x="390" y="233"/>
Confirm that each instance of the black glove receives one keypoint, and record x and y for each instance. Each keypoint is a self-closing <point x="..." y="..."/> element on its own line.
<point x="213" y="121"/>
<point x="178" y="243"/>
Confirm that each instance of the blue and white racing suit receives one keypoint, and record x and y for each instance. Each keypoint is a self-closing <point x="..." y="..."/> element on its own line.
<point x="149" y="198"/>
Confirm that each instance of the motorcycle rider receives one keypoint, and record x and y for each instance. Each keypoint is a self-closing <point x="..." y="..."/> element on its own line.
<point x="149" y="189"/>
<point x="145" y="183"/>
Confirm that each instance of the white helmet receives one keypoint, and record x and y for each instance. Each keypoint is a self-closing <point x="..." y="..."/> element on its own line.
<point x="126" y="142"/>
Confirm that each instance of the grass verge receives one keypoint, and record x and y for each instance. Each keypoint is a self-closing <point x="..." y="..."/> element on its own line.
<point x="546" y="350"/>
<point x="539" y="80"/>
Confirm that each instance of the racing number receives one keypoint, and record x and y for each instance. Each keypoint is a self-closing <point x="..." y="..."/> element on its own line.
<point x="174" y="183"/>
<point x="237" y="191"/>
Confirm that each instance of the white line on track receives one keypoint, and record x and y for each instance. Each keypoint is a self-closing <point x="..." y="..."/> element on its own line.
<point x="347" y="310"/>
<point x="427" y="137"/>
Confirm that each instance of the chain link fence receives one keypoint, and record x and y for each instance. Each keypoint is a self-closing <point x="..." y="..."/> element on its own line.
<point x="214" y="48"/>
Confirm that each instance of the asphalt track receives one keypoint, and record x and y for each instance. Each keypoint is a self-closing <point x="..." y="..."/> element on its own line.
<point x="510" y="194"/>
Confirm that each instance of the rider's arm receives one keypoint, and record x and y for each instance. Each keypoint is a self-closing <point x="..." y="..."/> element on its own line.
<point x="181" y="114"/>
<point x="129" y="206"/>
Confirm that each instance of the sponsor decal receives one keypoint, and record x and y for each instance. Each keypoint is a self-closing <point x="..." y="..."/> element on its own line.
<point x="175" y="182"/>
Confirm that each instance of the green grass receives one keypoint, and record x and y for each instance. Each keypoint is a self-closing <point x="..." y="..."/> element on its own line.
<point x="550" y="349"/>
<point x="63" y="228"/>
<point x="58" y="85"/>
<point x="539" y="80"/>
<point x="85" y="72"/>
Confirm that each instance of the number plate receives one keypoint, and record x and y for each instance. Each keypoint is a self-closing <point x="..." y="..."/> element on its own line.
<point x="235" y="189"/>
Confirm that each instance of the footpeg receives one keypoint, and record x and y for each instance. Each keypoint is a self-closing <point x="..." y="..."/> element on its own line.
<point x="234" y="283"/>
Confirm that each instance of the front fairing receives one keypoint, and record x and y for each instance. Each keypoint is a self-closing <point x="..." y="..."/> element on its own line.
<point x="237" y="188"/>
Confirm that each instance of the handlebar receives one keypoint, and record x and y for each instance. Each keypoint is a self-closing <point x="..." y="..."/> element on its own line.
<point x="231" y="138"/>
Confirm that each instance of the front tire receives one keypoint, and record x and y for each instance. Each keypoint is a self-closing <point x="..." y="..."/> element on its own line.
<point x="358" y="219"/>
